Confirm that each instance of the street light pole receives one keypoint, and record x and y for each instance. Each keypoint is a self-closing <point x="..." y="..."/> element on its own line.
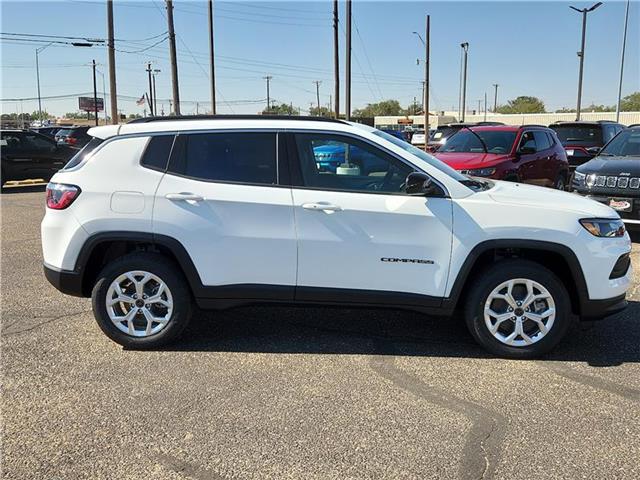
<point x="38" y="50"/>
<point x="150" y="88"/>
<point x="155" y="97"/>
<point x="463" y="105"/>
<point x="584" y="12"/>
<point x="624" y="44"/>
<point x="95" y="93"/>
<point x="495" y="98"/>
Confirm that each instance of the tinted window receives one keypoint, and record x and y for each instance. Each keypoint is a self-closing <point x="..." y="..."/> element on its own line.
<point x="227" y="157"/>
<point x="609" y="131"/>
<point x="333" y="162"/>
<point x="586" y="135"/>
<point x="34" y="141"/>
<point x="627" y="143"/>
<point x="528" y="141"/>
<point x="156" y="155"/>
<point x="494" y="141"/>
<point x="11" y="141"/>
<point x="83" y="153"/>
<point x="542" y="140"/>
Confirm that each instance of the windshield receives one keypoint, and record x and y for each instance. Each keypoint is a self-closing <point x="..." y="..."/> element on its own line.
<point x="625" y="144"/>
<point x="585" y="135"/>
<point x="468" y="141"/>
<point x="422" y="155"/>
<point x="442" y="133"/>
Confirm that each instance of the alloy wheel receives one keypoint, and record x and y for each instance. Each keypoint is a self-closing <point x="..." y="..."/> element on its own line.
<point x="139" y="303"/>
<point x="519" y="312"/>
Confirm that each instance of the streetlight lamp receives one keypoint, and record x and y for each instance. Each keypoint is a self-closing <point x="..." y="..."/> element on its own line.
<point x="40" y="49"/>
<point x="584" y="12"/>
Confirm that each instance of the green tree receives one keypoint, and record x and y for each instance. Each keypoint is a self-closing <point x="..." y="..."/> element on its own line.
<point x="523" y="104"/>
<point x="320" y="112"/>
<point x="630" y="103"/>
<point x="132" y="116"/>
<point x="78" y="115"/>
<point x="386" y="107"/>
<point x="45" y="115"/>
<point x="282" y="109"/>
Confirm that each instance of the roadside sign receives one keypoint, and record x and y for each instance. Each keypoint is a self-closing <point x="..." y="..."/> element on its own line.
<point x="86" y="104"/>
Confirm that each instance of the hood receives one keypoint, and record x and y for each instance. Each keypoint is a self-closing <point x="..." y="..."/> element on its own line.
<point x="612" y="166"/>
<point x="544" y="197"/>
<point x="469" y="160"/>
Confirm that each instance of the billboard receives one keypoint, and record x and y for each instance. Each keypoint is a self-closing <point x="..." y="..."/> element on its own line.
<point x="86" y="104"/>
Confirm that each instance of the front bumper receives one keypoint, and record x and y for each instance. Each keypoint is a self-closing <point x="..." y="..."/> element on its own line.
<point x="599" y="309"/>
<point x="67" y="281"/>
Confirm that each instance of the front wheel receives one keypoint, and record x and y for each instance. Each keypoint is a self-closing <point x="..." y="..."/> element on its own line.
<point x="518" y="309"/>
<point x="141" y="301"/>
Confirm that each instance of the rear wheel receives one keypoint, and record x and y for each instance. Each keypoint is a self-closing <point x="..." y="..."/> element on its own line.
<point x="518" y="309"/>
<point x="142" y="301"/>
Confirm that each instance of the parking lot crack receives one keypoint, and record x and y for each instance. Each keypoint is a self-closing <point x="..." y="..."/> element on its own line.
<point x="46" y="321"/>
<point x="482" y="446"/>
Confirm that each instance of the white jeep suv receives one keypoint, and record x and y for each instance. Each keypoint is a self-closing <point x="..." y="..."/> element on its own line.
<point x="158" y="214"/>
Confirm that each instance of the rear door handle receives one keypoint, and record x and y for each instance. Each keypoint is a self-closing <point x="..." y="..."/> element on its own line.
<point x="325" y="207"/>
<point x="192" y="197"/>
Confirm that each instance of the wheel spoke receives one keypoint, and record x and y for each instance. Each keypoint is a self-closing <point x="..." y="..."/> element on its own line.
<point x="121" y="299"/>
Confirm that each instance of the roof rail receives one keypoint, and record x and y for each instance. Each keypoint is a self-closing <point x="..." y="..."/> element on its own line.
<point x="234" y="117"/>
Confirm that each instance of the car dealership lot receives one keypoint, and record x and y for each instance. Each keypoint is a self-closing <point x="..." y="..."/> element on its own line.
<point x="275" y="392"/>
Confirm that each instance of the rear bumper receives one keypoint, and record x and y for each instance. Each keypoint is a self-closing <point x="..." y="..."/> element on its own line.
<point x="598" y="309"/>
<point x="68" y="282"/>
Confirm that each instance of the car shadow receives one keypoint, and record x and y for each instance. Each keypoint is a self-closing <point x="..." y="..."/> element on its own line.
<point x="324" y="330"/>
<point x="10" y="189"/>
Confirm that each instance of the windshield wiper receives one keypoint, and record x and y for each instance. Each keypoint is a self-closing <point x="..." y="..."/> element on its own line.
<point x="484" y="145"/>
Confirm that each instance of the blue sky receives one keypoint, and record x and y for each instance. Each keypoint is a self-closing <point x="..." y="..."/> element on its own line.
<point x="529" y="48"/>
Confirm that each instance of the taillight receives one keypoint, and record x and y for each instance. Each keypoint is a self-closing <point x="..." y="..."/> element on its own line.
<point x="71" y="140"/>
<point x="60" y="195"/>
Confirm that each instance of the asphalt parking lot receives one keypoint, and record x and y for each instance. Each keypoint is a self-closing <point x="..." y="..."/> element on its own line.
<point x="274" y="392"/>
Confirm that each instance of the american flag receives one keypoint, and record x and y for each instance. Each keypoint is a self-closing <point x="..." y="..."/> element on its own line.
<point x="140" y="101"/>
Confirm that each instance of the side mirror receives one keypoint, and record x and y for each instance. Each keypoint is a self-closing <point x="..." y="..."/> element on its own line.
<point x="421" y="185"/>
<point x="594" y="150"/>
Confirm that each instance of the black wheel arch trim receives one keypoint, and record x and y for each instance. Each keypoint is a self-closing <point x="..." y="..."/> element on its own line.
<point x="569" y="256"/>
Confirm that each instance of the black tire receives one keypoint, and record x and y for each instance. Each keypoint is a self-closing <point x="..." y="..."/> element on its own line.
<point x="169" y="273"/>
<point x="503" y="271"/>
<point x="560" y="183"/>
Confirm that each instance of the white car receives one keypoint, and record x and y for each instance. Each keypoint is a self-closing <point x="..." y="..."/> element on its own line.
<point x="156" y="215"/>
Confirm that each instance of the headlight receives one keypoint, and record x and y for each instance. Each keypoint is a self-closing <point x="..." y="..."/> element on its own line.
<point x="482" y="172"/>
<point x="579" y="177"/>
<point x="591" y="180"/>
<point x="604" y="227"/>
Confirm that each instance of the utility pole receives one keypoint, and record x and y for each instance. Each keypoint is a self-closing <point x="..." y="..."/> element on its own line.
<point x="426" y="83"/>
<point x="318" y="82"/>
<point x="584" y="12"/>
<point x="155" y="97"/>
<point x="268" y="79"/>
<point x="479" y="106"/>
<point x="150" y="88"/>
<point x="212" y="72"/>
<point x="113" y="95"/>
<point x="485" y="106"/>
<point x="624" y="44"/>
<point x="347" y="76"/>
<point x="495" y="98"/>
<point x="463" y="104"/>
<point x="336" y="59"/>
<point x="173" y="58"/>
<point x="95" y="93"/>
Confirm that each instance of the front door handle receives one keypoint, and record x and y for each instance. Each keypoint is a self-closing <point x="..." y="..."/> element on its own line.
<point x="325" y="207"/>
<point x="189" y="197"/>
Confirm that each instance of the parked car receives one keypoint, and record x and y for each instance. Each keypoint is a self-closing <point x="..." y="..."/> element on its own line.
<point x="234" y="210"/>
<point x="76" y="137"/>
<point x="440" y="135"/>
<point x="401" y="134"/>
<point x="47" y="131"/>
<point x="330" y="157"/>
<point x="29" y="155"/>
<point x="527" y="154"/>
<point x="613" y="176"/>
<point x="582" y="140"/>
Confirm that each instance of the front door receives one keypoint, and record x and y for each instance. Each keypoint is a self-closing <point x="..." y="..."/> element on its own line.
<point x="221" y="200"/>
<point x="360" y="237"/>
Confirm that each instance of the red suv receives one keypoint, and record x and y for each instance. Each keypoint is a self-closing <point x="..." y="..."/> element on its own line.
<point x="528" y="154"/>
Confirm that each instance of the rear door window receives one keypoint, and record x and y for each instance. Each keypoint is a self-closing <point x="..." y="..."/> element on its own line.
<point x="542" y="141"/>
<point x="242" y="157"/>
<point x="156" y="155"/>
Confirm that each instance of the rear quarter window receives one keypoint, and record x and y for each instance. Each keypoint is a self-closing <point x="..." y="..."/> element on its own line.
<point x="83" y="153"/>
<point x="156" y="155"/>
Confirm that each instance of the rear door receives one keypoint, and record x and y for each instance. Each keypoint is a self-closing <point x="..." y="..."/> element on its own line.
<point x="545" y="169"/>
<point x="45" y="154"/>
<point x="17" y="159"/>
<point x="221" y="199"/>
<point x="527" y="156"/>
